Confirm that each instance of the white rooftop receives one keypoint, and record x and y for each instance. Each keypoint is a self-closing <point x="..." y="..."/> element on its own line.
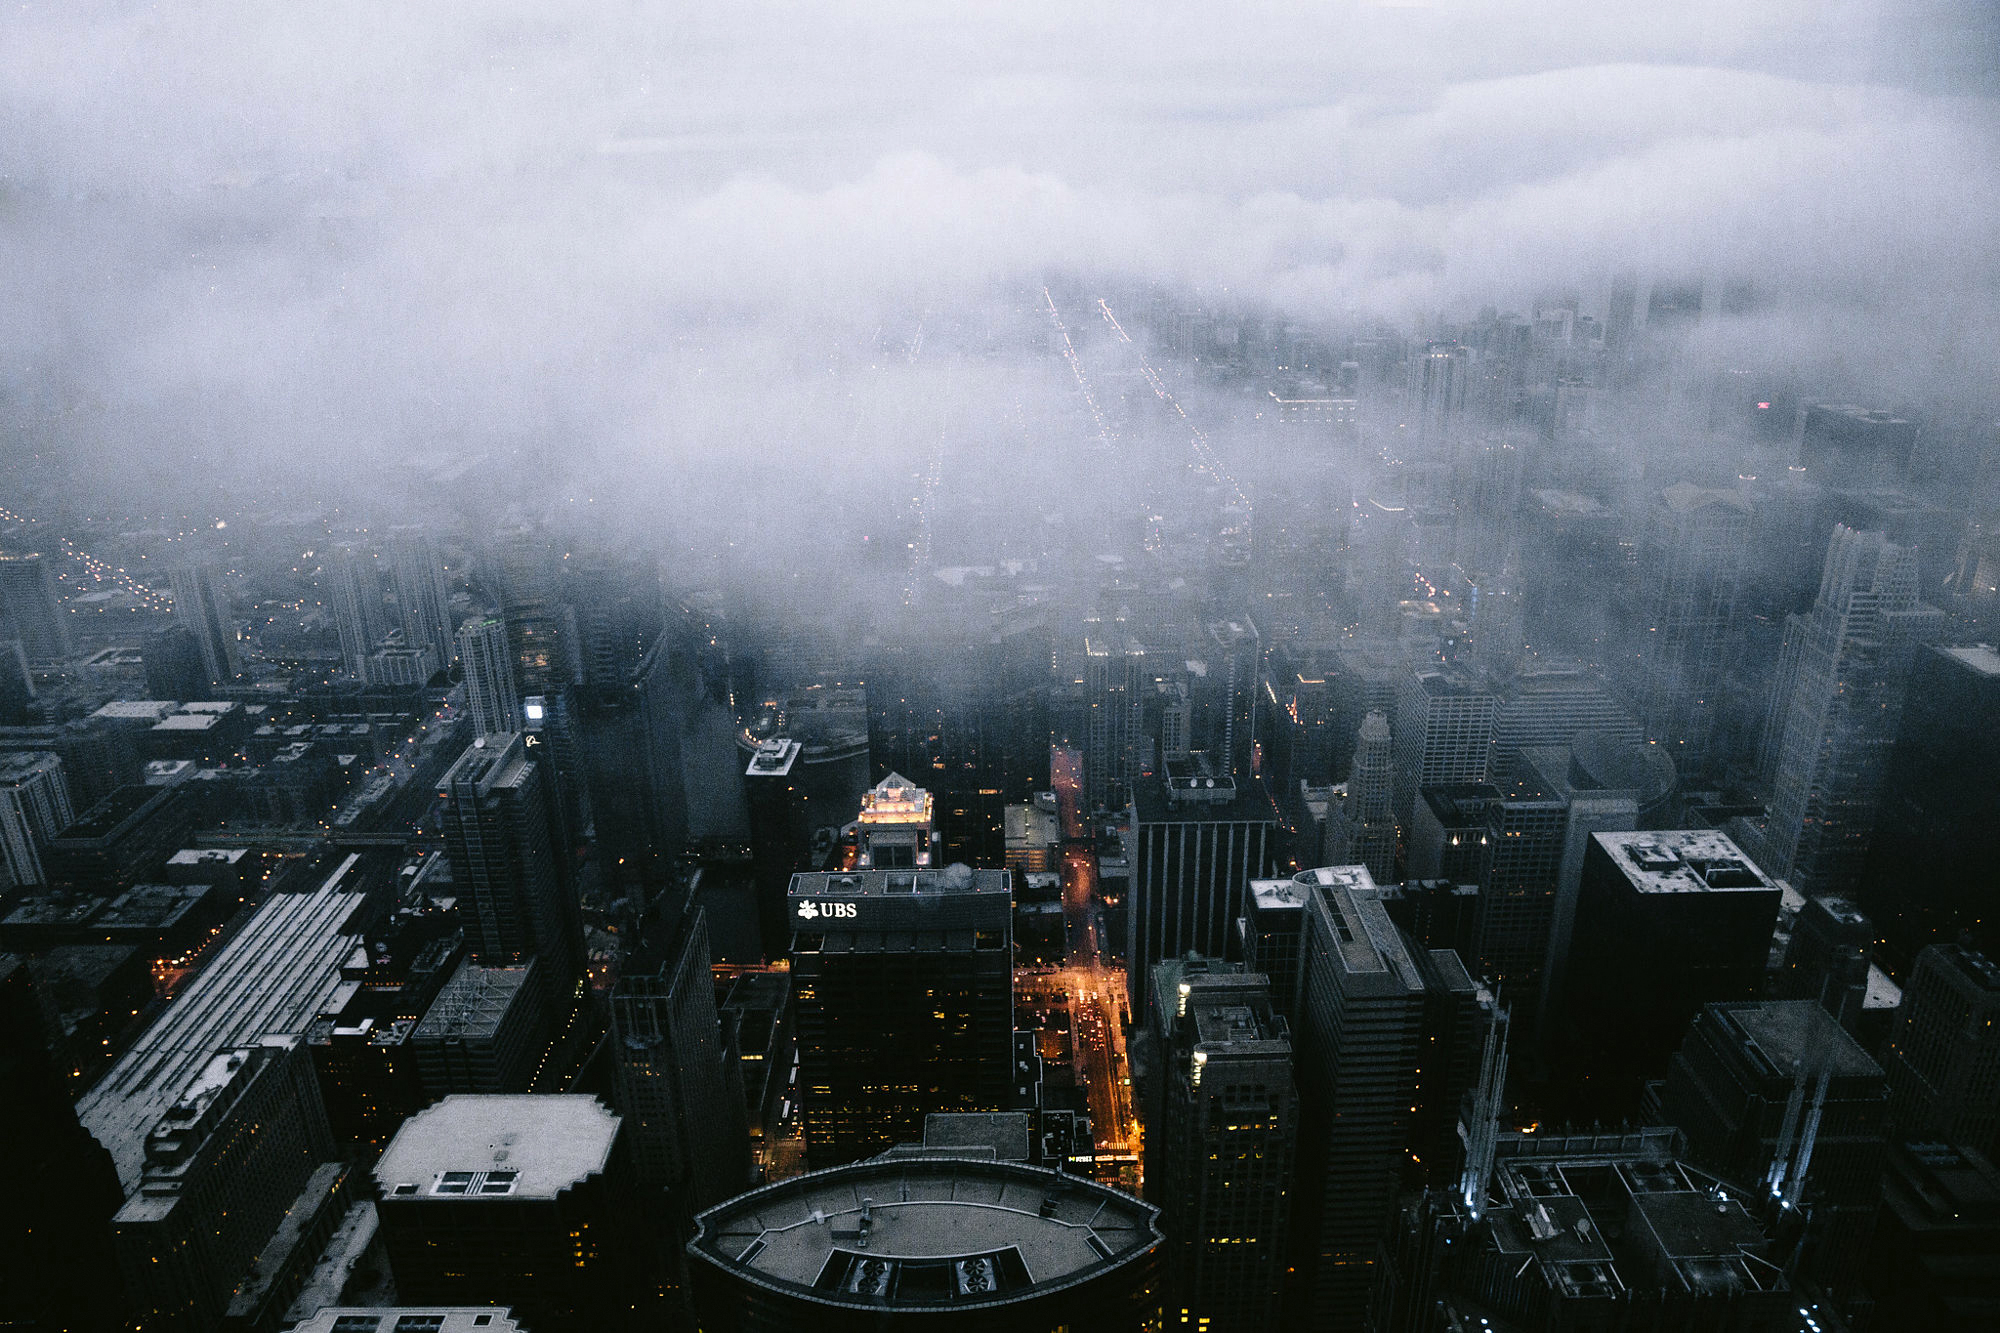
<point x="536" y="1146"/>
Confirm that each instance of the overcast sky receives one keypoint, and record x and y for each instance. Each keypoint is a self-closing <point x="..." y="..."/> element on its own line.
<point x="352" y="227"/>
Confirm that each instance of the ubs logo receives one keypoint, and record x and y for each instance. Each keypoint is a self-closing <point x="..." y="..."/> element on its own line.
<point x="810" y="911"/>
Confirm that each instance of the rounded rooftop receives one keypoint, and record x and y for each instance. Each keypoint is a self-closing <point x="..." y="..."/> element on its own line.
<point x="927" y="1232"/>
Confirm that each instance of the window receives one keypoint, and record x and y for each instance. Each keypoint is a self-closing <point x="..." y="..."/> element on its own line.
<point x="356" y="1323"/>
<point x="420" y="1323"/>
<point x="453" y="1182"/>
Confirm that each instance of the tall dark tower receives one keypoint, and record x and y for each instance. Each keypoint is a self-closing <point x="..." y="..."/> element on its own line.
<point x="28" y="604"/>
<point x="203" y="612"/>
<point x="1221" y="1135"/>
<point x="904" y="991"/>
<point x="503" y="831"/>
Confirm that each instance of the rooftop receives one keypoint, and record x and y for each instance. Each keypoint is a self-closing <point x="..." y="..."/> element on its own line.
<point x="1683" y="861"/>
<point x="773" y="758"/>
<point x="926" y="1231"/>
<point x="1275" y="894"/>
<point x="136" y="710"/>
<point x="497" y="1145"/>
<point x="955" y="879"/>
<point x="473" y="1003"/>
<point x="410" y="1319"/>
<point x="1784" y="1033"/>
<point x="1981" y="657"/>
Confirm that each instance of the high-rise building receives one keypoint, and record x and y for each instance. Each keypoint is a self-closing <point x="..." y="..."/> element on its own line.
<point x="1519" y="881"/>
<point x="1928" y="864"/>
<point x="353" y="592"/>
<point x="1827" y="959"/>
<point x="897" y="826"/>
<point x="1771" y="1093"/>
<point x="423" y="599"/>
<point x="56" y="1264"/>
<point x="1200" y="838"/>
<point x="1273" y="930"/>
<point x="1444" y="732"/>
<point x="1220" y="1139"/>
<point x="1836" y="711"/>
<point x="527" y="582"/>
<point x="521" y="1200"/>
<point x="932" y="1240"/>
<point x="224" y="1167"/>
<point x="904" y="1002"/>
<point x="201" y="610"/>
<point x="1943" y="1056"/>
<point x="1693" y="552"/>
<point x="1940" y="1219"/>
<point x="173" y="664"/>
<point x="1566" y="1231"/>
<point x="510" y="863"/>
<point x="34" y="807"/>
<point x="1235" y="676"/>
<point x="1112" y="673"/>
<point x="1363" y="829"/>
<point x="490" y="693"/>
<point x="1434" y="413"/>
<point x="673" y="1083"/>
<point x="1553" y="703"/>
<point x="1359" y="1042"/>
<point x="485" y="1032"/>
<point x="1842" y="443"/>
<point x="29" y="610"/>
<point x="1666" y="922"/>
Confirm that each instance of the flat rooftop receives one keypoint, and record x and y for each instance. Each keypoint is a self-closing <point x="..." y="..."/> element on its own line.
<point x="410" y="1319"/>
<point x="1022" y="1230"/>
<point x="1683" y="861"/>
<point x="901" y="883"/>
<point x="1271" y="895"/>
<point x="278" y="973"/>
<point x="1981" y="657"/>
<point x="1786" y="1032"/>
<point x="497" y="1146"/>
<point x="136" y="710"/>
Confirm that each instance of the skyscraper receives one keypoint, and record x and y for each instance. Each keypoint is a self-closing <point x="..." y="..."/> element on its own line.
<point x="1943" y="1056"/>
<point x="1359" y="1043"/>
<point x="903" y="989"/>
<point x="423" y="600"/>
<point x="1929" y="864"/>
<point x="1444" y="732"/>
<point x="490" y="694"/>
<point x="354" y="594"/>
<point x="509" y="858"/>
<point x="1200" y="838"/>
<point x="1520" y="877"/>
<point x="28" y="604"/>
<point x="1220" y="1142"/>
<point x="1236" y="676"/>
<point x="1835" y="713"/>
<point x="1112" y="673"/>
<point x="1694" y="545"/>
<point x="203" y="612"/>
<point x="1365" y="823"/>
<point x="34" y="807"/>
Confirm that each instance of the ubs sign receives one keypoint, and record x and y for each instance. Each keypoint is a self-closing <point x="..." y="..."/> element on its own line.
<point x="812" y="911"/>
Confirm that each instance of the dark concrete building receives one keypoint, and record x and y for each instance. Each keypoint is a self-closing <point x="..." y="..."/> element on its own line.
<point x="1201" y="838"/>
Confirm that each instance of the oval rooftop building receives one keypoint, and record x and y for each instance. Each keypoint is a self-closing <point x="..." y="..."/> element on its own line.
<point x="927" y="1242"/>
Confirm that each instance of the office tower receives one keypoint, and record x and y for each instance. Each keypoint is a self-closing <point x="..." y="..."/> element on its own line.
<point x="29" y="610"/>
<point x="1199" y="839"/>
<point x="201" y="610"/>
<point x="226" y="1164"/>
<point x="1444" y="732"/>
<point x="1929" y="1265"/>
<point x="1837" y="710"/>
<point x="1519" y="880"/>
<point x="1693" y="552"/>
<point x="897" y="827"/>
<point x="393" y="664"/>
<point x="1235" y="676"/>
<point x="675" y="1086"/>
<point x="490" y="694"/>
<point x="1844" y="444"/>
<point x="1220" y="1141"/>
<point x="1666" y="922"/>
<point x="485" y="1032"/>
<point x="523" y="1201"/>
<point x="526" y="580"/>
<point x="1772" y="1094"/>
<point x="904" y="1000"/>
<point x="1434" y="412"/>
<point x="1448" y="833"/>
<point x="17" y="684"/>
<point x="1273" y="930"/>
<point x="1826" y="960"/>
<point x="173" y="664"/>
<point x="1582" y="1231"/>
<point x="423" y="599"/>
<point x="353" y="593"/>
<point x="1359" y="1044"/>
<point x="108" y="846"/>
<point x="1364" y="831"/>
<point x="1553" y="703"/>
<point x="56" y="1264"/>
<point x="1112" y="737"/>
<point x="1940" y="799"/>
<point x="34" y="807"/>
<point x="1943" y="1056"/>
<point x="933" y="1241"/>
<point x="510" y="864"/>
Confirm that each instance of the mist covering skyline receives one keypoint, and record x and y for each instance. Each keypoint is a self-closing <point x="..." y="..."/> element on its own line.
<point x="248" y="247"/>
